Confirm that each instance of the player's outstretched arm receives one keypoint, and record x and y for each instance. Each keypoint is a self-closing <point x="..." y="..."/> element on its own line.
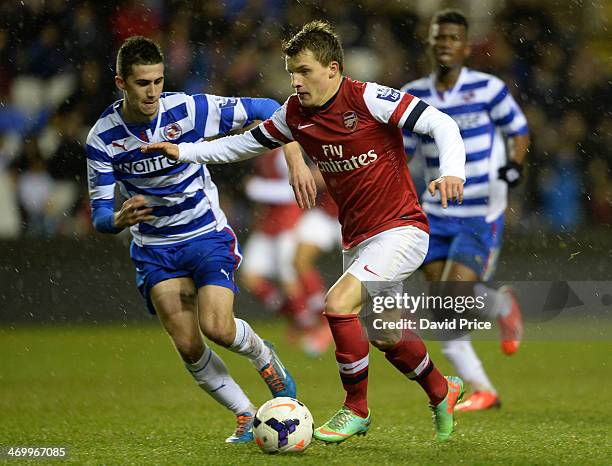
<point x="224" y="150"/>
<point x="300" y="176"/>
<point x="447" y="136"/>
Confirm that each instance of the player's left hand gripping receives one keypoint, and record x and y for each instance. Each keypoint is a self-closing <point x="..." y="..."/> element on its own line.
<point x="166" y="148"/>
<point x="450" y="187"/>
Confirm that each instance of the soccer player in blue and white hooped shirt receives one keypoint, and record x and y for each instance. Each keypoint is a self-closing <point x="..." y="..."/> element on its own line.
<point x="185" y="253"/>
<point x="465" y="239"/>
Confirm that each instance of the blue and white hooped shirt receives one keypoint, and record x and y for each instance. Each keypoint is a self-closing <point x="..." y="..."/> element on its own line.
<point x="486" y="113"/>
<point x="183" y="196"/>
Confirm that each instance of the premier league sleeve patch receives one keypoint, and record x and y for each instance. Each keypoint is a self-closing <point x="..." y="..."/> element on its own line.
<point x="227" y="102"/>
<point x="172" y="131"/>
<point x="387" y="93"/>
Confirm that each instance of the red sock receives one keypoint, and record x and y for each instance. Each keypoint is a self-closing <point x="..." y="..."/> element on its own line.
<point x="410" y="357"/>
<point x="267" y="293"/>
<point x="314" y="291"/>
<point x="295" y="309"/>
<point x="352" y="356"/>
<point x="312" y="282"/>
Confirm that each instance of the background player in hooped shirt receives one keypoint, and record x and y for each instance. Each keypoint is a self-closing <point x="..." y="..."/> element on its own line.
<point x="465" y="239"/>
<point x="351" y="130"/>
<point x="269" y="256"/>
<point x="317" y="233"/>
<point x="184" y="251"/>
<point x="268" y="272"/>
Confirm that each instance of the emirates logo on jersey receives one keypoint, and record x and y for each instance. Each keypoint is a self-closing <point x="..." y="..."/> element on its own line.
<point x="342" y="164"/>
<point x="350" y="120"/>
<point x="172" y="131"/>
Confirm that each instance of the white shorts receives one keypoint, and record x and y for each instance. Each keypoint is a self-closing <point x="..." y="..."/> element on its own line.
<point x="392" y="255"/>
<point x="270" y="256"/>
<point x="320" y="229"/>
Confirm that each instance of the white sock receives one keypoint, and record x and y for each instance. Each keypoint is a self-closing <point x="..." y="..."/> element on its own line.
<point x="463" y="357"/>
<point x="249" y="344"/>
<point x="212" y="376"/>
<point x="497" y="304"/>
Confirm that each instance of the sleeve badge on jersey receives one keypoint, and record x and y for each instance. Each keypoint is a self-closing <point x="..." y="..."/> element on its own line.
<point x="386" y="93"/>
<point x="172" y="131"/>
<point x="350" y="120"/>
<point x="468" y="96"/>
<point x="227" y="102"/>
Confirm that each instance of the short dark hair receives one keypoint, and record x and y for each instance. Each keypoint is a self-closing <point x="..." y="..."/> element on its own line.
<point x="450" y="16"/>
<point x="137" y="50"/>
<point x="320" y="38"/>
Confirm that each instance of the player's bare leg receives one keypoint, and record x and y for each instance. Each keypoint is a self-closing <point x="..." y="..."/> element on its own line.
<point x="460" y="351"/>
<point x="176" y="305"/>
<point x="434" y="270"/>
<point x="218" y="323"/>
<point x="458" y="272"/>
<point x="306" y="256"/>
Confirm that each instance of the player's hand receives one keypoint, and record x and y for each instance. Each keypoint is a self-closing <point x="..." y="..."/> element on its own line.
<point x="166" y="148"/>
<point x="300" y="176"/>
<point x="512" y="173"/>
<point x="133" y="211"/>
<point x="303" y="184"/>
<point x="450" y="187"/>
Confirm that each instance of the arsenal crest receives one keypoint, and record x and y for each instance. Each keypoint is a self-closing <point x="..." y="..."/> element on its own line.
<point x="350" y="120"/>
<point x="172" y="131"/>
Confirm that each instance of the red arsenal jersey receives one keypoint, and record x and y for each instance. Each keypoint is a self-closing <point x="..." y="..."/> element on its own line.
<point x="327" y="204"/>
<point x="356" y="142"/>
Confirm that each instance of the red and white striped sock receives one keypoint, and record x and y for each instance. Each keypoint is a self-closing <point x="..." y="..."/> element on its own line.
<point x="410" y="357"/>
<point x="352" y="356"/>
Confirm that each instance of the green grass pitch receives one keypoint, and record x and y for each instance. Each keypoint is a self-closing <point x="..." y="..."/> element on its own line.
<point x="118" y="394"/>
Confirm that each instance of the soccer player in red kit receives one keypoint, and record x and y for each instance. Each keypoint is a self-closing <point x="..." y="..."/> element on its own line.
<point x="352" y="131"/>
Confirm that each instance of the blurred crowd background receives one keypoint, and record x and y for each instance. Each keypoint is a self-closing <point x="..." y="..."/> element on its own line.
<point x="57" y="76"/>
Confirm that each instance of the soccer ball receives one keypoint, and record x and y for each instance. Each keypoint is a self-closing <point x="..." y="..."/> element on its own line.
<point x="283" y="425"/>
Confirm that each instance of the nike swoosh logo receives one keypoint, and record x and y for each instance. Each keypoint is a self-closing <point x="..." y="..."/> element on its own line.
<point x="327" y="432"/>
<point x="453" y="393"/>
<point x="367" y="269"/>
<point x="301" y="126"/>
<point x="285" y="404"/>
